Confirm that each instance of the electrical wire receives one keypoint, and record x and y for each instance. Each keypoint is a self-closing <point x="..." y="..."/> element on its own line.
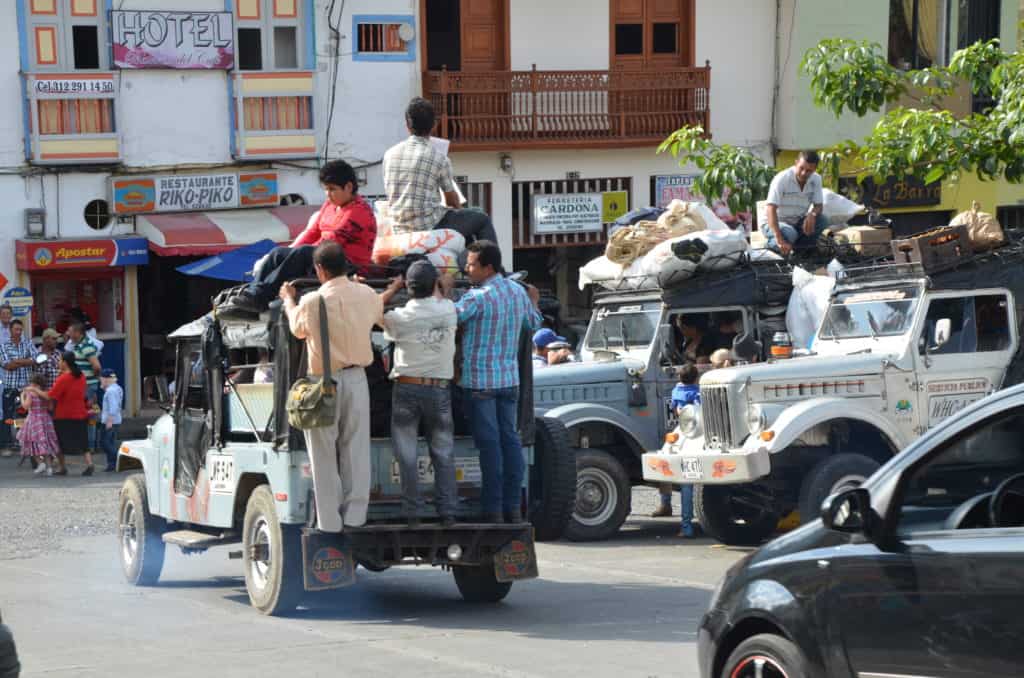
<point x="335" y="30"/>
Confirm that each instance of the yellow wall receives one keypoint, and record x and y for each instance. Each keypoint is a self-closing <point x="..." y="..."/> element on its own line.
<point x="956" y="195"/>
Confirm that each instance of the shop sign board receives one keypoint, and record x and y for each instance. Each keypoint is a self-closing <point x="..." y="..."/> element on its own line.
<point x="614" y="205"/>
<point x="893" y="192"/>
<point x="57" y="255"/>
<point x="20" y="301"/>
<point x="164" y="39"/>
<point x="193" y="192"/>
<point x="567" y="213"/>
<point x="669" y="187"/>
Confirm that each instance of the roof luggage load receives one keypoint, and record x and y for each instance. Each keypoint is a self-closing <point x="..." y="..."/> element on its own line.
<point x="935" y="250"/>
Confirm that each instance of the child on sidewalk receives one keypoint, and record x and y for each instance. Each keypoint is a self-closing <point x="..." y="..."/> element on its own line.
<point x="37" y="436"/>
<point x="686" y="392"/>
<point x="110" y="416"/>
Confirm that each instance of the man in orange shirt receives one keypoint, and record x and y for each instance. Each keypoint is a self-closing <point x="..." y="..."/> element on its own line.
<point x="339" y="454"/>
<point x="344" y="218"/>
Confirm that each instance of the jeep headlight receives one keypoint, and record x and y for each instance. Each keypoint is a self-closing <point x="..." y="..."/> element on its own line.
<point x="689" y="420"/>
<point x="757" y="420"/>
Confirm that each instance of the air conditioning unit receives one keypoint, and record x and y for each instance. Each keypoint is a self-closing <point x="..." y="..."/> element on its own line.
<point x="35" y="222"/>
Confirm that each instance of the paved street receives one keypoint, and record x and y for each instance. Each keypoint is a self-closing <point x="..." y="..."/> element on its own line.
<point x="627" y="607"/>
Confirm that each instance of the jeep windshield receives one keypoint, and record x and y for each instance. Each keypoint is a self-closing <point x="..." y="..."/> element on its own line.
<point x="623" y="327"/>
<point x="870" y="313"/>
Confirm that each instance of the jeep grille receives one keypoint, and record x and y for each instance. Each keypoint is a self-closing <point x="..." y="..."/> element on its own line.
<point x="714" y="407"/>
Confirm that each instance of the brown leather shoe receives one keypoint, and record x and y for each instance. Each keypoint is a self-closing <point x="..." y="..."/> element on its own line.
<point x="662" y="511"/>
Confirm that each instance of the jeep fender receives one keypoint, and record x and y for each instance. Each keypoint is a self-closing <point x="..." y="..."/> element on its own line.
<point x="575" y="414"/>
<point x="805" y="415"/>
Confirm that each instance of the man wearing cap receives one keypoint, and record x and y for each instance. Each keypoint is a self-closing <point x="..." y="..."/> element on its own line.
<point x="550" y="349"/>
<point x="424" y="334"/>
<point x="110" y="416"/>
<point x="51" y="368"/>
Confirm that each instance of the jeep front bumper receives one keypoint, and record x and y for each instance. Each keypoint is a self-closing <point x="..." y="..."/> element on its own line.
<point x="691" y="463"/>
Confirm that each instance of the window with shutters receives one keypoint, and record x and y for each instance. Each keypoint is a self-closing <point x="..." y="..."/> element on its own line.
<point x="651" y="33"/>
<point x="273" y="80"/>
<point x="386" y="37"/>
<point x="70" y="93"/>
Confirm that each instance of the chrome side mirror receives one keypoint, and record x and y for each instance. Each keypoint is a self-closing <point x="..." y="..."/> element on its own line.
<point x="943" y="328"/>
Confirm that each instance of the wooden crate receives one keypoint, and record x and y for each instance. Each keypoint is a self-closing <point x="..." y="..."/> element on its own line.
<point x="935" y="250"/>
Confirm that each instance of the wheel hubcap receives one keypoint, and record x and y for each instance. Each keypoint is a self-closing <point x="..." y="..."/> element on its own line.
<point x="596" y="497"/>
<point x="129" y="534"/>
<point x="758" y="666"/>
<point x="259" y="567"/>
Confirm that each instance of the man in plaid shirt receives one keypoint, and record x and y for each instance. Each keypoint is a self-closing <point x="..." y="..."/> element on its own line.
<point x="494" y="316"/>
<point x="51" y="368"/>
<point x="415" y="175"/>
<point x="16" y="357"/>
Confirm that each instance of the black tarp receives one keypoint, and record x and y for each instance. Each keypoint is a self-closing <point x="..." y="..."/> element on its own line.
<point x="749" y="284"/>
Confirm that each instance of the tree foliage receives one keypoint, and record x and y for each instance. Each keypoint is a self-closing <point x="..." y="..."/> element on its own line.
<point x="725" y="170"/>
<point x="924" y="139"/>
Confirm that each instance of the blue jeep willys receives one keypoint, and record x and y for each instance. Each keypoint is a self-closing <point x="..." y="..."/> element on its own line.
<point x="224" y="467"/>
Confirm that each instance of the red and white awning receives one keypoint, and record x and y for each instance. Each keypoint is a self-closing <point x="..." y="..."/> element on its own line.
<point x="202" y="233"/>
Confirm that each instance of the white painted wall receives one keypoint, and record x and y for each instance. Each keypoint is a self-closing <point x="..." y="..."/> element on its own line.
<point x="562" y="35"/>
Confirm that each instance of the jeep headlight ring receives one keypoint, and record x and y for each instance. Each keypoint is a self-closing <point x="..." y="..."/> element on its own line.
<point x="757" y="420"/>
<point x="689" y="420"/>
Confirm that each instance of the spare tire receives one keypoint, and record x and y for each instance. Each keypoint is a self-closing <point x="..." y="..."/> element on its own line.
<point x="552" y="491"/>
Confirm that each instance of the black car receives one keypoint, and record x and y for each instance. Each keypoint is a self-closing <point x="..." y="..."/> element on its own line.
<point x="919" y="572"/>
<point x="9" y="666"/>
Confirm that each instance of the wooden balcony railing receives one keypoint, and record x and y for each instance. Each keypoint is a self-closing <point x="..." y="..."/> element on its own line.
<point x="497" y="110"/>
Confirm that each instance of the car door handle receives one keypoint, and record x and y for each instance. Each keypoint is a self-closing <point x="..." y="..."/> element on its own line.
<point x="823" y="564"/>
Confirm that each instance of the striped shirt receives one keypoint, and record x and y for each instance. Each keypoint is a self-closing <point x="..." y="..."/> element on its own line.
<point x="84" y="350"/>
<point x="415" y="173"/>
<point x="18" y="377"/>
<point x="494" y="316"/>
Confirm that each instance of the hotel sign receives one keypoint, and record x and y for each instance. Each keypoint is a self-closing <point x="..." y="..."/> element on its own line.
<point x="157" y="39"/>
<point x="193" y="192"/>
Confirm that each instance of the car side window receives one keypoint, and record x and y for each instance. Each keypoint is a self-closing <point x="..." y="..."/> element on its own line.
<point x="951" y="489"/>
<point x="695" y="336"/>
<point x="979" y="323"/>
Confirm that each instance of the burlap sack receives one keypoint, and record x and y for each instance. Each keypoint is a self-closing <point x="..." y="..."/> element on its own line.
<point x="629" y="243"/>
<point x="983" y="230"/>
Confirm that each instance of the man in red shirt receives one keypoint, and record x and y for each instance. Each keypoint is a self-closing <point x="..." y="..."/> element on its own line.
<point x="344" y="218"/>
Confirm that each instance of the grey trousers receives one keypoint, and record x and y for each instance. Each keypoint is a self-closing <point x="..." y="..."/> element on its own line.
<point x="339" y="456"/>
<point x="412" y="404"/>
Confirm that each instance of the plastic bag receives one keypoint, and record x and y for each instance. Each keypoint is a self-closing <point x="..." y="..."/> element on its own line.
<point x="983" y="229"/>
<point x="387" y="247"/>
<point x="445" y="260"/>
<point x="680" y="258"/>
<point x="612" y="276"/>
<point x="839" y="209"/>
<point x="807" y="306"/>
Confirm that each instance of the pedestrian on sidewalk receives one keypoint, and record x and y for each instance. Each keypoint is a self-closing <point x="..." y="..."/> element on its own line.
<point x="87" y="356"/>
<point x="16" y="356"/>
<point x="70" y="414"/>
<point x="339" y="454"/>
<point x="424" y="363"/>
<point x="37" y="436"/>
<point x="51" y="368"/>
<point x="686" y="392"/>
<point x="494" y="316"/>
<point x="110" y="417"/>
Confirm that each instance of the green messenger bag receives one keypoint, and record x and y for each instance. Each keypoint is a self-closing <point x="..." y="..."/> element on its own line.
<point x="311" y="400"/>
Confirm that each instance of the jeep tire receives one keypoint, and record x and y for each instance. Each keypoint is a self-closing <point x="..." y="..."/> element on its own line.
<point x="274" y="582"/>
<point x="603" y="495"/>
<point x="733" y="514"/>
<point x="478" y="584"/>
<point x="830" y="475"/>
<point x="552" y="489"/>
<point x="140" y="534"/>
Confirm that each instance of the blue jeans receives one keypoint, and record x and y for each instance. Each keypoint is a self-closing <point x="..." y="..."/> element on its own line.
<point x="686" y="510"/>
<point x="108" y="443"/>
<point x="93" y="395"/>
<point x="431" y="406"/>
<point x="492" y="419"/>
<point x="10" y="410"/>
<point x="794" y="234"/>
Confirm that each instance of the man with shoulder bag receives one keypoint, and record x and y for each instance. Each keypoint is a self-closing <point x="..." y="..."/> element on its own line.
<point x="338" y="351"/>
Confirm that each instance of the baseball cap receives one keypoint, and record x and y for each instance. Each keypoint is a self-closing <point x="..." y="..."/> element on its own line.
<point x="559" y="344"/>
<point x="421" y="276"/>
<point x="107" y="373"/>
<point x="50" y="332"/>
<point x="543" y="337"/>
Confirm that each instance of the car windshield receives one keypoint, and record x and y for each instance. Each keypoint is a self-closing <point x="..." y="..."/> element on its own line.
<point x="877" y="313"/>
<point x="624" y="327"/>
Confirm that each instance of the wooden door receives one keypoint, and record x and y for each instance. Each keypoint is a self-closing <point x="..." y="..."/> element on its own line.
<point x="651" y="34"/>
<point x="483" y="35"/>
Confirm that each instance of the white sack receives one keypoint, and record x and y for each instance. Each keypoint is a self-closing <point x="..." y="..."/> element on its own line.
<point x="807" y="306"/>
<point x="839" y="209"/>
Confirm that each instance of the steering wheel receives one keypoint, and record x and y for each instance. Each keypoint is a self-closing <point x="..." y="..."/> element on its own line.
<point x="970" y="515"/>
<point x="1006" y="507"/>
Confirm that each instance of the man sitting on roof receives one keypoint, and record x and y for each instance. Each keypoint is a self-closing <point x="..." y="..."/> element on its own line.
<point x="795" y="202"/>
<point x="344" y="218"/>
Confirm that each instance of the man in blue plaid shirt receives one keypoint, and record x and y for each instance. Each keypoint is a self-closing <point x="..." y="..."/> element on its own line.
<point x="16" y="357"/>
<point x="494" y="316"/>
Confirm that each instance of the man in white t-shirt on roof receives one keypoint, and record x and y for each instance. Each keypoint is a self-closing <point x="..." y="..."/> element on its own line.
<point x="794" y="206"/>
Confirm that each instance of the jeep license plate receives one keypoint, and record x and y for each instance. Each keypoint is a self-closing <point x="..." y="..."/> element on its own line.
<point x="692" y="469"/>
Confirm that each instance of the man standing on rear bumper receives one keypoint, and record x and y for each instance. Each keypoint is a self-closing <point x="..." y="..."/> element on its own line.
<point x="424" y="334"/>
<point x="494" y="316"/>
